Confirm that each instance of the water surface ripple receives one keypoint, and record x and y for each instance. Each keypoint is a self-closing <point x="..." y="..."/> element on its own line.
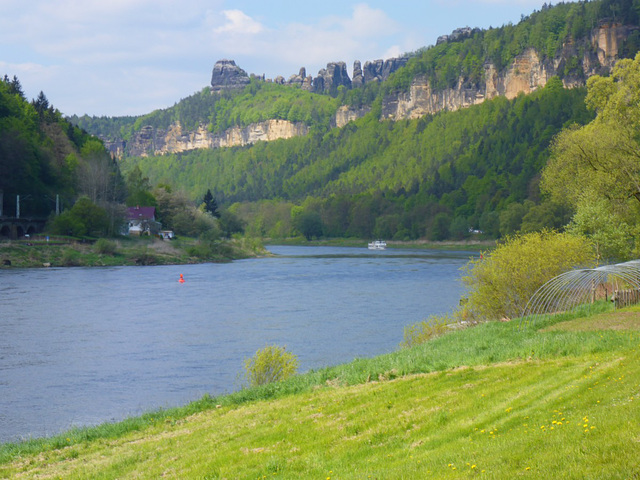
<point x="81" y="346"/>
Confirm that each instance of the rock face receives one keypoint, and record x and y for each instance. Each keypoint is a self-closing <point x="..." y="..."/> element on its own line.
<point x="332" y="77"/>
<point x="345" y="115"/>
<point x="228" y="76"/>
<point x="175" y="139"/>
<point x="527" y="73"/>
<point x="379" y="70"/>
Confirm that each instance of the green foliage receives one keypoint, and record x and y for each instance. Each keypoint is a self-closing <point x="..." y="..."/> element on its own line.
<point x="210" y="204"/>
<point x="308" y="223"/>
<point x="139" y="189"/>
<point x="105" y="247"/>
<point x="594" y="169"/>
<point x="502" y="282"/>
<point x="433" y="327"/>
<point x="177" y="212"/>
<point x="85" y="218"/>
<point x="270" y="364"/>
<point x="613" y="237"/>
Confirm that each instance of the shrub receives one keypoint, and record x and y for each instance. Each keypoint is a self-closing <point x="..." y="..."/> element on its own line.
<point x="105" y="247"/>
<point x="502" y="282"/>
<point x="270" y="364"/>
<point x="144" y="257"/>
<point x="433" y="327"/>
<point x="70" y="258"/>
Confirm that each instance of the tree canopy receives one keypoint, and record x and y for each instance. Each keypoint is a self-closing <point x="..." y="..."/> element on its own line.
<point x="595" y="168"/>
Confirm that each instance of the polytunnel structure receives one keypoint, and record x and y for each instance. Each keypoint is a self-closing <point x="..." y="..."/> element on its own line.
<point x="619" y="283"/>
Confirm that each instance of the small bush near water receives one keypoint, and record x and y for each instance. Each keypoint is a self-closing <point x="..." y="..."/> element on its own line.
<point x="270" y="364"/>
<point x="105" y="247"/>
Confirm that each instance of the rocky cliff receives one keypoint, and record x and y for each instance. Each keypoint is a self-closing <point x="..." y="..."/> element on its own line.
<point x="227" y="75"/>
<point x="151" y="141"/>
<point x="528" y="72"/>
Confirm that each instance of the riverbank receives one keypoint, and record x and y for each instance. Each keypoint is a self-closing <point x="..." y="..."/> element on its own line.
<point x="462" y="245"/>
<point x="65" y="252"/>
<point x="495" y="401"/>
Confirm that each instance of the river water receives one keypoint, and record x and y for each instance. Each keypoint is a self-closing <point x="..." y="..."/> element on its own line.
<point x="82" y="346"/>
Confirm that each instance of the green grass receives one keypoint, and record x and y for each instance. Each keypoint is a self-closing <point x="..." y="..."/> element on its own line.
<point x="547" y="400"/>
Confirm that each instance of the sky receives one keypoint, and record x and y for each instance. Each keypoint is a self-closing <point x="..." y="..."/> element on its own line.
<point x="130" y="57"/>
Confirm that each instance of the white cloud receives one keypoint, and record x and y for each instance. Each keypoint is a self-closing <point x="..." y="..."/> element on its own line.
<point x="238" y="23"/>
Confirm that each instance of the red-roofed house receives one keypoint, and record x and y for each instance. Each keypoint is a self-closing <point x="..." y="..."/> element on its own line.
<point x="142" y="221"/>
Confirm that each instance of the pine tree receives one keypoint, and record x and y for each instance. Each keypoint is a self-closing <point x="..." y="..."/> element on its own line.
<point x="210" y="204"/>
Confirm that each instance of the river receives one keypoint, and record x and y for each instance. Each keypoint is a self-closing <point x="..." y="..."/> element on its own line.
<point x="82" y="346"/>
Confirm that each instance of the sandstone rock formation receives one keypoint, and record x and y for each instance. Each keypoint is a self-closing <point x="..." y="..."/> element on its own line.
<point x="330" y="78"/>
<point x="358" y="77"/>
<point x="227" y="75"/>
<point x="151" y="141"/>
<point x="379" y="70"/>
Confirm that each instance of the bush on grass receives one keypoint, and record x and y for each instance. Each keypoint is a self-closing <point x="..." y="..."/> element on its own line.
<point x="270" y="364"/>
<point x="105" y="247"/>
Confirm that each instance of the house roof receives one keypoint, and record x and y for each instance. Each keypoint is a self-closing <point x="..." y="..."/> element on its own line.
<point x="141" y="213"/>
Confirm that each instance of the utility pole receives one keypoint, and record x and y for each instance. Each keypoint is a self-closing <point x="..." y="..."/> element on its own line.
<point x="17" y="206"/>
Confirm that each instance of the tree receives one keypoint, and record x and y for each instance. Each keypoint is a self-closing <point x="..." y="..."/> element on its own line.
<point x="41" y="103"/>
<point x="440" y="227"/>
<point x="210" y="204"/>
<point x="308" y="223"/>
<point x="139" y="189"/>
<point x="612" y="235"/>
<point x="502" y="282"/>
<point x="84" y="218"/>
<point x="595" y="169"/>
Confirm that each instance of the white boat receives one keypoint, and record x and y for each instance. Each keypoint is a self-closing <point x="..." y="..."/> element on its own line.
<point x="378" y="245"/>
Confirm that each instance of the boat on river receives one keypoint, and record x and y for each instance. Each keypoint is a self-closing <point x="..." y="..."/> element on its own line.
<point x="377" y="245"/>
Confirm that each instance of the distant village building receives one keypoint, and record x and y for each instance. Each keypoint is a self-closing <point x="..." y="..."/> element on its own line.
<point x="142" y="221"/>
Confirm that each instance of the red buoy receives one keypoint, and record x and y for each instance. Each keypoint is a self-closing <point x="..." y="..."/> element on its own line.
<point x="181" y="279"/>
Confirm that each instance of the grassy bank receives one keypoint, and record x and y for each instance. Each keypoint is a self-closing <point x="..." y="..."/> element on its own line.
<point x="560" y="398"/>
<point x="66" y="252"/>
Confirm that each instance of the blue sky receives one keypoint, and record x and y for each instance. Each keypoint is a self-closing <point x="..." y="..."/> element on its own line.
<point x="129" y="57"/>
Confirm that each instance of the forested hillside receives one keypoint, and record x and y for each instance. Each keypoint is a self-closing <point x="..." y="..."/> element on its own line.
<point x="469" y="165"/>
<point x="43" y="155"/>
<point x="438" y="176"/>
